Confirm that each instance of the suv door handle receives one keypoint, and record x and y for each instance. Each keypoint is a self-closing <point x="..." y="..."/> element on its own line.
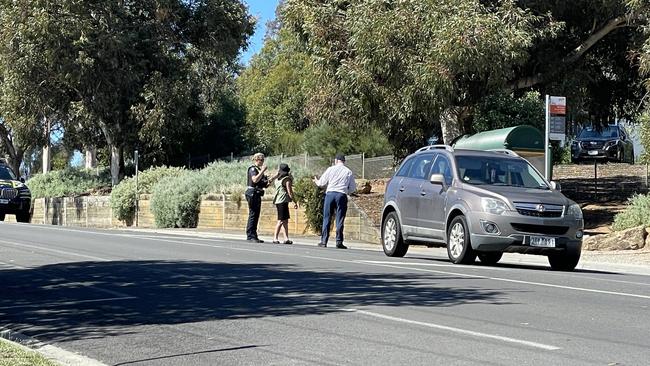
<point x="423" y="193"/>
<point x="401" y="189"/>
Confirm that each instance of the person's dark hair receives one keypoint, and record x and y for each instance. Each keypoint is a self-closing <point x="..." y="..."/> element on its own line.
<point x="283" y="171"/>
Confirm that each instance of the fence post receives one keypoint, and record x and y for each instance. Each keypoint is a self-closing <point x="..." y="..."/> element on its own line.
<point x="363" y="165"/>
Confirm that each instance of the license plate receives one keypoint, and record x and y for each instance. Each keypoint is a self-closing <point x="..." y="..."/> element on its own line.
<point x="593" y="152"/>
<point x="542" y="241"/>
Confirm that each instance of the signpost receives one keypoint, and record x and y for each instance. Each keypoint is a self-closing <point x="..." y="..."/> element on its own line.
<point x="555" y="127"/>
<point x="137" y="196"/>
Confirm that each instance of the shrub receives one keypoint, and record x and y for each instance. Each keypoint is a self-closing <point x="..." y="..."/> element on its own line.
<point x="312" y="199"/>
<point x="176" y="200"/>
<point x="123" y="195"/>
<point x="636" y="214"/>
<point x="68" y="182"/>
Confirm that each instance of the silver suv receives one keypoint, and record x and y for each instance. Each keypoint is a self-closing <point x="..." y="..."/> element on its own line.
<point x="479" y="203"/>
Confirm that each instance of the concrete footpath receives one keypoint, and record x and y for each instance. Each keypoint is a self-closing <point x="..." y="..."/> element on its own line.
<point x="628" y="261"/>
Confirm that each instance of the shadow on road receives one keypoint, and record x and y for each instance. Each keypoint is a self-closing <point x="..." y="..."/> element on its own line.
<point x="70" y="301"/>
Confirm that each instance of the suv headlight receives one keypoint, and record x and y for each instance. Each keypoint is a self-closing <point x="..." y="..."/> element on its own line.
<point x="611" y="143"/>
<point x="493" y="206"/>
<point x="575" y="211"/>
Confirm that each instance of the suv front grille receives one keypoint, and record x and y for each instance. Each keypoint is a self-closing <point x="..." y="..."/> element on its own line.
<point x="8" y="193"/>
<point x="592" y="144"/>
<point x="539" y="210"/>
<point x="540" y="229"/>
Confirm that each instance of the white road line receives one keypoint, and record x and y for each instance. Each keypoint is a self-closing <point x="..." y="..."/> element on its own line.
<point x="457" y="330"/>
<point x="425" y="264"/>
<point x="54" y="250"/>
<point x="66" y="303"/>
<point x="582" y="289"/>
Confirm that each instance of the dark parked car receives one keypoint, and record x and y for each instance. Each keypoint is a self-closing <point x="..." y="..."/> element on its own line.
<point x="15" y="197"/>
<point x="609" y="143"/>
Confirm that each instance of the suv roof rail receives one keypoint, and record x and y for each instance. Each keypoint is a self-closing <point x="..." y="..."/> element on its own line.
<point x="505" y="151"/>
<point x="432" y="147"/>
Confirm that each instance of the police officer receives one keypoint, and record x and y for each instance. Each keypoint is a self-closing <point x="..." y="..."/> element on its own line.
<point x="257" y="181"/>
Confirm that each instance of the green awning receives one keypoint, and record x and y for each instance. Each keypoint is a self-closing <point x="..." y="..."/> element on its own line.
<point x="519" y="138"/>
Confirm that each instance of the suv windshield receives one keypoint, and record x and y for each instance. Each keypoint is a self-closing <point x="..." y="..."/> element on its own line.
<point x="6" y="173"/>
<point x="605" y="132"/>
<point x="498" y="171"/>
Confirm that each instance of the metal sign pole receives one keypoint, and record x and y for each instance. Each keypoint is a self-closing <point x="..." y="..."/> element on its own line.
<point x="547" y="164"/>
<point x="137" y="195"/>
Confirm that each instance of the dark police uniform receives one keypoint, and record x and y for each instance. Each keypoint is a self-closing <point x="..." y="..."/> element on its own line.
<point x="254" y="194"/>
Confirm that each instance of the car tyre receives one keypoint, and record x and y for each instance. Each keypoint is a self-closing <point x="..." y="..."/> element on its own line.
<point x="391" y="237"/>
<point x="2" y="216"/>
<point x="23" y="217"/>
<point x="459" y="247"/>
<point x="566" y="261"/>
<point x="490" y="258"/>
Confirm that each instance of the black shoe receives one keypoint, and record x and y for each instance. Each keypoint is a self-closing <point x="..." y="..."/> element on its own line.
<point x="255" y="240"/>
<point x="341" y="246"/>
<point x="322" y="245"/>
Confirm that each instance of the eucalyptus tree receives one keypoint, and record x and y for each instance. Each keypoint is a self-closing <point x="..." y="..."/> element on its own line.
<point x="139" y="71"/>
<point x="409" y="65"/>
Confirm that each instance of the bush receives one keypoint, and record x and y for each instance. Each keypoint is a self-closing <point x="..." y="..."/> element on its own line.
<point x="636" y="214"/>
<point x="175" y="201"/>
<point x="68" y="182"/>
<point x="312" y="198"/>
<point x="123" y="195"/>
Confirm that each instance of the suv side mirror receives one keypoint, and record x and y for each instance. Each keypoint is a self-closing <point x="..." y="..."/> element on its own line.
<point x="555" y="186"/>
<point x="22" y="179"/>
<point x="437" y="179"/>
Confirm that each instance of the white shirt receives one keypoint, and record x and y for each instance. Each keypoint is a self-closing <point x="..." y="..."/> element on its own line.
<point x="338" y="178"/>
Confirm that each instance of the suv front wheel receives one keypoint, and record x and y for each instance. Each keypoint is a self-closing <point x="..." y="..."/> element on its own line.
<point x="566" y="261"/>
<point x="391" y="237"/>
<point x="459" y="248"/>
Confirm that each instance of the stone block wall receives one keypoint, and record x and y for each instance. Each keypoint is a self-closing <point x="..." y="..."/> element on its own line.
<point x="219" y="212"/>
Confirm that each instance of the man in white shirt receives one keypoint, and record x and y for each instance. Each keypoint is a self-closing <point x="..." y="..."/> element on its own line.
<point x="339" y="181"/>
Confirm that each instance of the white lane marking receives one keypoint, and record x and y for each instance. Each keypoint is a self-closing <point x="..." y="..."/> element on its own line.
<point x="623" y="294"/>
<point x="457" y="330"/>
<point x="66" y="303"/>
<point x="54" y="250"/>
<point x="424" y="264"/>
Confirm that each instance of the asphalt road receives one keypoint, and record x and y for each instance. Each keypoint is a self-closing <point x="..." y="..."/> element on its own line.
<point x="129" y="298"/>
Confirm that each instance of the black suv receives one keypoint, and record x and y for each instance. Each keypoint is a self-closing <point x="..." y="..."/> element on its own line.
<point x="609" y="143"/>
<point x="15" y="197"/>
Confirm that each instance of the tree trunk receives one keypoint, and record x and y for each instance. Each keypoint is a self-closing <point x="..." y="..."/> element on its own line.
<point x="90" y="157"/>
<point x="451" y="124"/>
<point x="46" y="149"/>
<point x="116" y="158"/>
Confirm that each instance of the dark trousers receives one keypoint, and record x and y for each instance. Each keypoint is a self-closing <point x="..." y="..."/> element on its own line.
<point x="254" y="209"/>
<point x="334" y="202"/>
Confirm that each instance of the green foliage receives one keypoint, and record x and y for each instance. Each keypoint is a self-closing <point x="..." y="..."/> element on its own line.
<point x="123" y="195"/>
<point x="176" y="200"/>
<point x="68" y="182"/>
<point x="312" y="199"/>
<point x="274" y="89"/>
<point x="636" y="214"/>
<point x="502" y="110"/>
<point x="326" y="140"/>
<point x="561" y="155"/>
<point x="644" y="135"/>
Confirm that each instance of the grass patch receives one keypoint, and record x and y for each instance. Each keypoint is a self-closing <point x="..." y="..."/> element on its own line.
<point x="14" y="355"/>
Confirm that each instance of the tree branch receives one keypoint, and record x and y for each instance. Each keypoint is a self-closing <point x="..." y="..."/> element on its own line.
<point x="576" y="54"/>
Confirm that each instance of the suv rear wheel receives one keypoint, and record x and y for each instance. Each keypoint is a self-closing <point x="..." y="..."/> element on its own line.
<point x="391" y="237"/>
<point x="22" y="217"/>
<point x="490" y="257"/>
<point x="459" y="248"/>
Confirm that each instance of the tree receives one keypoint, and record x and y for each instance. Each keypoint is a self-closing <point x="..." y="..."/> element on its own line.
<point x="407" y="66"/>
<point x="274" y="89"/>
<point x="134" y="69"/>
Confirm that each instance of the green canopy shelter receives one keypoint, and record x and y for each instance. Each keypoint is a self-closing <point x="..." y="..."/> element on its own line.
<point x="526" y="141"/>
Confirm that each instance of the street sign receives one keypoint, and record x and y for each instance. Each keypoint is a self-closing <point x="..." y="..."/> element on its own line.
<point x="556" y="111"/>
